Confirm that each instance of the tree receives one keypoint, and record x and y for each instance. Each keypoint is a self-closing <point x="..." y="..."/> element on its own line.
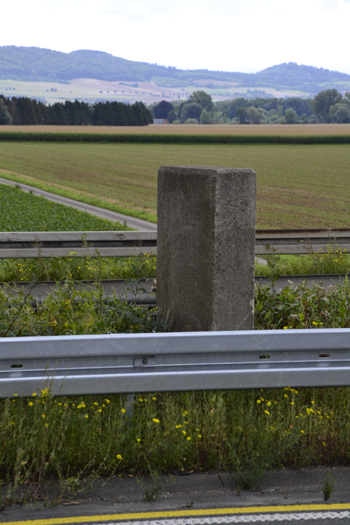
<point x="206" y="117"/>
<point x="300" y="105"/>
<point x="323" y="101"/>
<point x="290" y="116"/>
<point x="26" y="111"/>
<point x="191" y="110"/>
<point x="162" y="109"/>
<point x="254" y="115"/>
<point x="202" y="98"/>
<point x="241" y="114"/>
<point x="5" y="117"/>
<point x="340" y="113"/>
<point x="171" y="116"/>
<point x="57" y="115"/>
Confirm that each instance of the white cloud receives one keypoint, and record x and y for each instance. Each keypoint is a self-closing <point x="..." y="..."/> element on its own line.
<point x="136" y="8"/>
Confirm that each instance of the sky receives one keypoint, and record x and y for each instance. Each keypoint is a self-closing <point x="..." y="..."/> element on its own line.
<point x="221" y="35"/>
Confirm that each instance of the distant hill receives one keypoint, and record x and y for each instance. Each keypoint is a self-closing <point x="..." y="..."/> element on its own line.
<point x="37" y="64"/>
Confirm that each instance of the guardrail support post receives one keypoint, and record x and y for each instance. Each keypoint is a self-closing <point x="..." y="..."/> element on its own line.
<point x="206" y="244"/>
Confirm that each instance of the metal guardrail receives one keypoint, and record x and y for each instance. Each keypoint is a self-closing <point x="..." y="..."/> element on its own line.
<point x="170" y="362"/>
<point x="79" y="244"/>
<point x="125" y="244"/>
<point x="131" y="292"/>
<point x="301" y="241"/>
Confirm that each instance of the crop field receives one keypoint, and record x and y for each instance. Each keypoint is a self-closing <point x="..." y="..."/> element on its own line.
<point x="22" y="211"/>
<point x="196" y="129"/>
<point x="298" y="186"/>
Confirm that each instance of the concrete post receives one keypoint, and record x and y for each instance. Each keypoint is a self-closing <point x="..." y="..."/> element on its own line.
<point x="206" y="245"/>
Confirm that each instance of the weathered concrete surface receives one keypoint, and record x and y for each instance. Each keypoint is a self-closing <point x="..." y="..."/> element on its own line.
<point x="206" y="240"/>
<point x="116" y="495"/>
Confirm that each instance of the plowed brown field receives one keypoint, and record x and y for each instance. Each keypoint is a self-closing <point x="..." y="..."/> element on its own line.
<point x="200" y="129"/>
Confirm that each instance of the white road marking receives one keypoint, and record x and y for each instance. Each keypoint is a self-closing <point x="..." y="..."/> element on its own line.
<point x="252" y="518"/>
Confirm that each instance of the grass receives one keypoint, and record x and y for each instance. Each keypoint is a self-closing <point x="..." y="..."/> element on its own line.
<point x="243" y="432"/>
<point x="199" y="129"/>
<point x="336" y="261"/>
<point x="298" y="186"/>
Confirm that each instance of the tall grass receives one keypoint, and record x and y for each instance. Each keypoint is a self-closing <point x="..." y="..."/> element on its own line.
<point x="44" y="438"/>
<point x="335" y="261"/>
<point x="77" y="268"/>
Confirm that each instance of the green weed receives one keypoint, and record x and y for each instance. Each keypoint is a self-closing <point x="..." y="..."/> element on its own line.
<point x="335" y="261"/>
<point x="328" y="487"/>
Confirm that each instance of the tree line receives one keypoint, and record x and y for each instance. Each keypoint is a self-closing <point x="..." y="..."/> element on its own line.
<point x="26" y="111"/>
<point x="328" y="106"/>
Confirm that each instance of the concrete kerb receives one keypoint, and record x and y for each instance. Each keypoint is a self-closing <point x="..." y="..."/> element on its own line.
<point x="190" y="492"/>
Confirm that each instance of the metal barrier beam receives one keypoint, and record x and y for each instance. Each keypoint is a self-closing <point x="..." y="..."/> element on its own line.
<point x="120" y="288"/>
<point x="78" y="244"/>
<point x="170" y="362"/>
<point x="301" y="241"/>
<point x="126" y="244"/>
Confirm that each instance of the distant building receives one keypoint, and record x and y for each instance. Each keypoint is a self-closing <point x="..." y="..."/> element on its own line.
<point x="160" y="121"/>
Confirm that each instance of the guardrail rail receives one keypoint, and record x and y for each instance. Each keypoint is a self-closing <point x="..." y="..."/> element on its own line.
<point x="170" y="362"/>
<point x="126" y="244"/>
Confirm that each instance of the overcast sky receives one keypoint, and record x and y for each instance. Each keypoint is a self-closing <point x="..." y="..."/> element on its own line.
<point x="228" y="35"/>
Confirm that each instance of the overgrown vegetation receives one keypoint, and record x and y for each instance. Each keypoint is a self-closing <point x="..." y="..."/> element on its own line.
<point x="77" y="268"/>
<point x="335" y="261"/>
<point x="247" y="433"/>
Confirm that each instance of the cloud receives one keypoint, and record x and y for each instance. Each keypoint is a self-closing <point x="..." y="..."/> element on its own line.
<point x="136" y="8"/>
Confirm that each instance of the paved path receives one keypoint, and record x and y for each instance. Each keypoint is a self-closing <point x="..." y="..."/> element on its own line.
<point x="132" y="222"/>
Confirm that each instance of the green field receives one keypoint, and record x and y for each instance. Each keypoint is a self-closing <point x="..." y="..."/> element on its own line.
<point x="22" y="211"/>
<point x="298" y="186"/>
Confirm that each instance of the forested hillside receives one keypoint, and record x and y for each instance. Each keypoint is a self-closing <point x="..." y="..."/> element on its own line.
<point x="36" y="64"/>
